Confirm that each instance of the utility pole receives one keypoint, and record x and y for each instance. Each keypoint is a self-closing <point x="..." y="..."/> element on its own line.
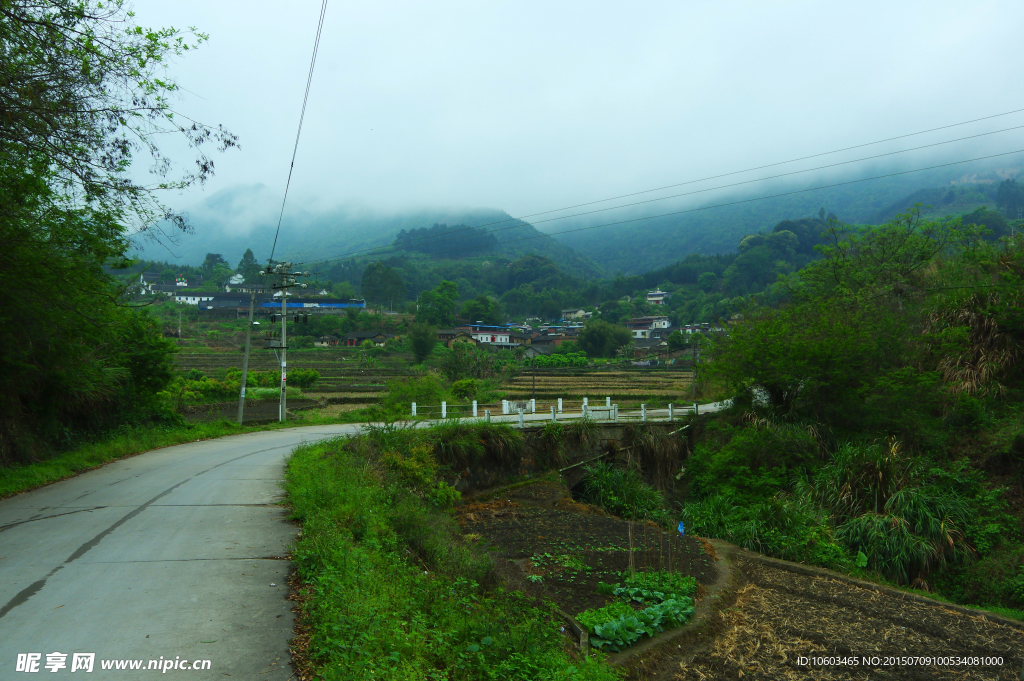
<point x="179" y="324"/>
<point x="245" y="360"/>
<point x="696" y="358"/>
<point x="535" y="379"/>
<point x="287" y="281"/>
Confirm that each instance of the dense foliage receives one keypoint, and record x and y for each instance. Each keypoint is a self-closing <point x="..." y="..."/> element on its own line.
<point x="82" y="92"/>
<point x="393" y="590"/>
<point x="876" y="412"/>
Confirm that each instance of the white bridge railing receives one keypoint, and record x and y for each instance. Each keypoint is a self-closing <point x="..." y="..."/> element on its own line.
<point x="537" y="410"/>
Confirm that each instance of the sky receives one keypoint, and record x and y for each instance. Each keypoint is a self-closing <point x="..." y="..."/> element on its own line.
<point x="529" y="106"/>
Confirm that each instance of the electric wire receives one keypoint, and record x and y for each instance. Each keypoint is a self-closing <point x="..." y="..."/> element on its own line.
<point x="298" y="133"/>
<point x="448" y="237"/>
<point x="739" y="202"/>
<point x="715" y="177"/>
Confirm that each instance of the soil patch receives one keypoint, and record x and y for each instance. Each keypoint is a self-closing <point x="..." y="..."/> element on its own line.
<point x="780" y="616"/>
<point x="553" y="547"/>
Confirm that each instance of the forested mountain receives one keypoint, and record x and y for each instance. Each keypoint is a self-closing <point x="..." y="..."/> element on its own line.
<point x="232" y="220"/>
<point x="635" y="247"/>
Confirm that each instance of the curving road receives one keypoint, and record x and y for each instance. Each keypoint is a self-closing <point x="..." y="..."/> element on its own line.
<point x="173" y="556"/>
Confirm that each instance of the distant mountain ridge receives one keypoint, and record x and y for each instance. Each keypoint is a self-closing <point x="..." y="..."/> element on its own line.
<point x="644" y="245"/>
<point x="232" y="220"/>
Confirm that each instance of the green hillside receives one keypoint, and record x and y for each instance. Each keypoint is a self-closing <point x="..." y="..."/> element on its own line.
<point x="635" y="247"/>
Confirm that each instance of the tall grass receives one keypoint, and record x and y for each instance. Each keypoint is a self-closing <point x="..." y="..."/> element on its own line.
<point x="392" y="592"/>
<point x="623" y="492"/>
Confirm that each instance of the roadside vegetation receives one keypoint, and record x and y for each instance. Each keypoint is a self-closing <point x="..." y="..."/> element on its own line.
<point x="388" y="587"/>
<point x="879" y="418"/>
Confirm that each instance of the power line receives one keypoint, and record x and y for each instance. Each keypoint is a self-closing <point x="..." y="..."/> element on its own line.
<point x="302" y="116"/>
<point x="772" y="165"/>
<point x="741" y="201"/>
<point x="447" y="237"/>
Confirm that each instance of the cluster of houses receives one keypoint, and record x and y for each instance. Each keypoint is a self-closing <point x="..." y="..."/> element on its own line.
<point x="650" y="334"/>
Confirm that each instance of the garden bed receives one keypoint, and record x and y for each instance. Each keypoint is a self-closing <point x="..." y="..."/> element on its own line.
<point x="552" y="547"/>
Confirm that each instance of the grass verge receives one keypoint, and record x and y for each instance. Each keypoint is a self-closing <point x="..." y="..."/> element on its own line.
<point x="137" y="440"/>
<point x="388" y="589"/>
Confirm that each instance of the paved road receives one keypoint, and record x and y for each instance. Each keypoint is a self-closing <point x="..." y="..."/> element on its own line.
<point x="171" y="553"/>
<point x="175" y="554"/>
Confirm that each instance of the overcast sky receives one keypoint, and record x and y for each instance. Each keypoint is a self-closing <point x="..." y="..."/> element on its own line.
<point x="526" y="106"/>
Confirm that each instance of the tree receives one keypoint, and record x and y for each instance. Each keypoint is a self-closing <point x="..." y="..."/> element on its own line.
<point x="343" y="290"/>
<point x="602" y="339"/>
<point x="482" y="309"/>
<point x="382" y="284"/>
<point x="422" y="339"/>
<point x="437" y="306"/>
<point x="83" y="91"/>
<point x="85" y="88"/>
<point x="850" y="344"/>
<point x="676" y="340"/>
<point x="1010" y="198"/>
<point x="214" y="260"/>
<point x="990" y="220"/>
<point x="707" y="281"/>
<point x="249" y="267"/>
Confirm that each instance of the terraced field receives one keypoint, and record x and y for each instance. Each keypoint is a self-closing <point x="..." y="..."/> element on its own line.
<point x="621" y="385"/>
<point x="345" y="380"/>
<point x="342" y="381"/>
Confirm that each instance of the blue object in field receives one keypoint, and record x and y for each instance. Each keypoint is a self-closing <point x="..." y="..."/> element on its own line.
<point x="682" y="530"/>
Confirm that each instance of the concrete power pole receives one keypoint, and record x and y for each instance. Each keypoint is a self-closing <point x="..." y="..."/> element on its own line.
<point x="287" y="281"/>
<point x="245" y="360"/>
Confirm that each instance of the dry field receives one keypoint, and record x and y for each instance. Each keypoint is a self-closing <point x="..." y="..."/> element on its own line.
<point x="654" y="385"/>
<point x="782" y="620"/>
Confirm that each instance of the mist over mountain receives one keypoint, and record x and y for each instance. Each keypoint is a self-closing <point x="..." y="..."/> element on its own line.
<point x="232" y="220"/>
<point x="710" y="228"/>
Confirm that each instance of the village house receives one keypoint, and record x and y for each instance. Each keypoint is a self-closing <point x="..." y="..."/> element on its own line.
<point x="657" y="297"/>
<point x="648" y="327"/>
<point x="450" y="336"/>
<point x="497" y="336"/>
<point x="326" y="342"/>
<point x="357" y="338"/>
<point x="576" y="314"/>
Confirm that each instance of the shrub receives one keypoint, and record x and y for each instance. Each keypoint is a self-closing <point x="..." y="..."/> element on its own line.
<point x="464" y="389"/>
<point x="426" y="390"/>
<point x="561" y="360"/>
<point x="303" y="378"/>
<point x="623" y="492"/>
<point x="391" y="590"/>
<point x="753" y="464"/>
<point x="272" y="393"/>
<point x="791" y="528"/>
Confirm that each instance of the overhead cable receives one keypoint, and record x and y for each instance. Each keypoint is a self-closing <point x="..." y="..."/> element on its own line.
<point x="302" y="116"/>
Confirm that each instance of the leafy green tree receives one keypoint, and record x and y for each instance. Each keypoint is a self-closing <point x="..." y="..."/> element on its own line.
<point x="422" y="339"/>
<point x="676" y="340"/>
<point x="848" y="347"/>
<point x="990" y="220"/>
<point x="1010" y="198"/>
<point x="343" y="290"/>
<point x="86" y="88"/>
<point x="482" y="309"/>
<point x="437" y="306"/>
<point x="212" y="261"/>
<point x="84" y="91"/>
<point x="248" y="267"/>
<point x="707" y="281"/>
<point x="382" y="285"/>
<point x="601" y="339"/>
